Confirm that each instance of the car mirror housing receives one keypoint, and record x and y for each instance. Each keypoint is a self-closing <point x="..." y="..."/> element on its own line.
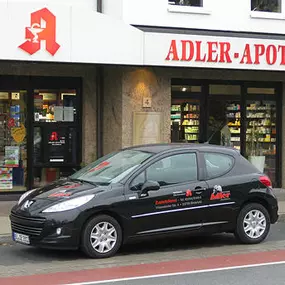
<point x="149" y="186"/>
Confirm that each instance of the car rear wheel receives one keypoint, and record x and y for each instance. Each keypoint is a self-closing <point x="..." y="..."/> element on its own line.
<point x="253" y="224"/>
<point x="101" y="237"/>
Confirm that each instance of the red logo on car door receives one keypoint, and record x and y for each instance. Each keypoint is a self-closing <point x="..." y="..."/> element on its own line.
<point x="43" y="28"/>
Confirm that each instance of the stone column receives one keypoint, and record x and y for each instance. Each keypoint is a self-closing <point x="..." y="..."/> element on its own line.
<point x="137" y="84"/>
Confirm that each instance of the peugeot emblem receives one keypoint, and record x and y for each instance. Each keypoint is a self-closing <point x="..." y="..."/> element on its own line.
<point x="27" y="204"/>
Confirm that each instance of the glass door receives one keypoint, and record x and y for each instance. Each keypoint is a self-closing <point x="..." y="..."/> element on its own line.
<point x="185" y="113"/>
<point x="224" y="123"/>
<point x="261" y="135"/>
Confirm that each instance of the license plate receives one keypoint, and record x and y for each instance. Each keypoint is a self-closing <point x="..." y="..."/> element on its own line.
<point x="21" y="238"/>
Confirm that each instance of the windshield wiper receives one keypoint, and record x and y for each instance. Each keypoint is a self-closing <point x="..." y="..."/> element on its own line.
<point x="83" y="181"/>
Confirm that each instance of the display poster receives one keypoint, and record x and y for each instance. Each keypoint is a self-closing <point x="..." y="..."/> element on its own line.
<point x="6" y="178"/>
<point x="19" y="134"/>
<point x="15" y="114"/>
<point x="12" y="156"/>
<point x="58" y="113"/>
<point x="56" y="145"/>
<point x="68" y="114"/>
<point x="146" y="128"/>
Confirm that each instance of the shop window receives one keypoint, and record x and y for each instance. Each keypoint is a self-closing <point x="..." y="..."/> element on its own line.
<point x="217" y="164"/>
<point x="175" y="169"/>
<point x="266" y="5"/>
<point x="195" y="3"/>
<point x="13" y="146"/>
<point x="55" y="106"/>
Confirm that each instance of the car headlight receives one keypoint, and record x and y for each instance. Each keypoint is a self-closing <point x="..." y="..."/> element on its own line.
<point x="69" y="205"/>
<point x="25" y="195"/>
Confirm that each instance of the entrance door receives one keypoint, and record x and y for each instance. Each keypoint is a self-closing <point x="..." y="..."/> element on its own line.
<point x="56" y="134"/>
<point x="187" y="109"/>
<point x="224" y="109"/>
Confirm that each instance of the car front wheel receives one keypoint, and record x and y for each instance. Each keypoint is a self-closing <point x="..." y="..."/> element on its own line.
<point x="101" y="237"/>
<point x="253" y="224"/>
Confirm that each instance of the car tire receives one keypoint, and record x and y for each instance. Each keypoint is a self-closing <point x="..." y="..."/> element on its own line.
<point x="101" y="237"/>
<point x="253" y="224"/>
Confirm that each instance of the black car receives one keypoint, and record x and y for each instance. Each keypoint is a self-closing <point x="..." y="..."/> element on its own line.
<point x="148" y="191"/>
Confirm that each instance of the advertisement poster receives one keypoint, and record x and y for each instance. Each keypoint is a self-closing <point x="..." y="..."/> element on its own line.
<point x="12" y="156"/>
<point x="57" y="145"/>
<point x="6" y="178"/>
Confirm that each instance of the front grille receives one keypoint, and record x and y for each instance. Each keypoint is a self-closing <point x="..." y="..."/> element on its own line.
<point x="27" y="225"/>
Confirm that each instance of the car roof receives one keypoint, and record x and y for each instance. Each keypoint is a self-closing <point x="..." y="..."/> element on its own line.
<point x="159" y="148"/>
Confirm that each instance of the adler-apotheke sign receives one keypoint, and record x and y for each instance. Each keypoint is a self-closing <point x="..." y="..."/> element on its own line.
<point x="214" y="52"/>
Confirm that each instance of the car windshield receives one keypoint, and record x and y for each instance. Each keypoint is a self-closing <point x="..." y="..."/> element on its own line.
<point x="111" y="168"/>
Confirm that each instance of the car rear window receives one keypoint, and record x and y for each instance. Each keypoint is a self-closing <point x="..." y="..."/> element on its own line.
<point x="217" y="164"/>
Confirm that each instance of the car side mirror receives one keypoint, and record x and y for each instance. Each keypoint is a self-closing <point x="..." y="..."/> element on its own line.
<point x="149" y="186"/>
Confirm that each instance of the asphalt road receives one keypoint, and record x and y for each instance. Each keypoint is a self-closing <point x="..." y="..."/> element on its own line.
<point x="15" y="254"/>
<point x="263" y="275"/>
<point x="18" y="260"/>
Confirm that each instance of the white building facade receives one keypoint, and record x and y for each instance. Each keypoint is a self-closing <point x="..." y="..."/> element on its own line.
<point x="79" y="79"/>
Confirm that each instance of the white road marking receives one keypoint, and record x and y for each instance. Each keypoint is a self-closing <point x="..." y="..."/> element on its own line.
<point x="178" y="273"/>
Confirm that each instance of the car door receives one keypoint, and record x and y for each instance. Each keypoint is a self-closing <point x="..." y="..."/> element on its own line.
<point x="178" y="204"/>
<point x="221" y="188"/>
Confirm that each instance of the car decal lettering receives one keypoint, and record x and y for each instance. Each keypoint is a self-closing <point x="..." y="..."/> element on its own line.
<point x="60" y="194"/>
<point x="219" y="194"/>
<point x="182" y="209"/>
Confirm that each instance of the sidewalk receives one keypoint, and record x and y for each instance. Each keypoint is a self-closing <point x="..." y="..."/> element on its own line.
<point x="5" y="207"/>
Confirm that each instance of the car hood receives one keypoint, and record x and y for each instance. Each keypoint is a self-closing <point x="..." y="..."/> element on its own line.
<point x="56" y="192"/>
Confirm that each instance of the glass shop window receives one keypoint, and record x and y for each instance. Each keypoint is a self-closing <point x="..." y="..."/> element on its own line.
<point x="55" y="105"/>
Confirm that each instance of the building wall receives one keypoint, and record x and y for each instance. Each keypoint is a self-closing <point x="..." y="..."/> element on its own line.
<point x="88" y="74"/>
<point x="92" y="4"/>
<point x="230" y="15"/>
<point x="112" y="110"/>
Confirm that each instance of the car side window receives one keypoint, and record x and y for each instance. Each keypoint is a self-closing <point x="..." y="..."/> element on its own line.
<point x="217" y="164"/>
<point x="138" y="182"/>
<point x="174" y="169"/>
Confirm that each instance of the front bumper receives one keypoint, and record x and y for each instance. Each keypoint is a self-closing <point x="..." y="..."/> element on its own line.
<point x="43" y="230"/>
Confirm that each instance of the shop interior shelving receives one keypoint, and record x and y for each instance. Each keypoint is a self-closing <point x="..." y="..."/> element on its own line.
<point x="233" y="114"/>
<point x="187" y="114"/>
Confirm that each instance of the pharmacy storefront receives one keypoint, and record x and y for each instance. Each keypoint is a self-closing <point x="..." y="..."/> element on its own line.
<point x="48" y="108"/>
<point x="74" y="81"/>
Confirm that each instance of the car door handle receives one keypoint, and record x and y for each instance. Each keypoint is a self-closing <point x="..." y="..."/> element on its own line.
<point x="200" y="189"/>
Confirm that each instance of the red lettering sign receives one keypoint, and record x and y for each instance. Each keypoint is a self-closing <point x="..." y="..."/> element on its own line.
<point x="43" y="28"/>
<point x="223" y="52"/>
<point x="220" y="196"/>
